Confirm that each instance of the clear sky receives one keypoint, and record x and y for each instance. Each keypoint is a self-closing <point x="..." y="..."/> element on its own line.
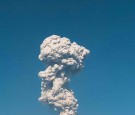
<point x="106" y="86"/>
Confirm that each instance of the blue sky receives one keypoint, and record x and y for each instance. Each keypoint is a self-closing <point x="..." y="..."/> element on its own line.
<point x="107" y="27"/>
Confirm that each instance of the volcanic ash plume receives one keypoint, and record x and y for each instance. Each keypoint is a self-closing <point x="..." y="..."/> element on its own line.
<point x="62" y="59"/>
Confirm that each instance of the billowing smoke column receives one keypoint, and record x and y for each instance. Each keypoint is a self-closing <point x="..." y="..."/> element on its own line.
<point x="62" y="59"/>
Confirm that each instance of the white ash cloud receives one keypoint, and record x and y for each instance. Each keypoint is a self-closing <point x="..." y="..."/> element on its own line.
<point x="62" y="58"/>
